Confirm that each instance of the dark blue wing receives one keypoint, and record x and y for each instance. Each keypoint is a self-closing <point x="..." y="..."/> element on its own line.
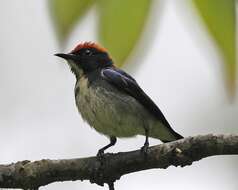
<point x="127" y="84"/>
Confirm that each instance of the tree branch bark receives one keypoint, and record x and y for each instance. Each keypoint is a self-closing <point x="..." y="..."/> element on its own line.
<point x="31" y="175"/>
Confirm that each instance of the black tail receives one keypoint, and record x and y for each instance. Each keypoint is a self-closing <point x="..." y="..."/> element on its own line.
<point x="176" y="136"/>
<point x="163" y="131"/>
<point x="172" y="132"/>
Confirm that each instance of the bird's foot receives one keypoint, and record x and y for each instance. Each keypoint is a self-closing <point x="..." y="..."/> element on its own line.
<point x="98" y="172"/>
<point x="100" y="154"/>
<point x="144" y="149"/>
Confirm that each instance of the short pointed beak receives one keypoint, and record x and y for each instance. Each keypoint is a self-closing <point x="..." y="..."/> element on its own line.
<point x="68" y="56"/>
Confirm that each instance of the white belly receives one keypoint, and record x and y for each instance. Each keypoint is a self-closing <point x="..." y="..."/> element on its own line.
<point x="111" y="112"/>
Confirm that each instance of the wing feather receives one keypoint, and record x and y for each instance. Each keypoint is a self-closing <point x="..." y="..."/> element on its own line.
<point x="128" y="84"/>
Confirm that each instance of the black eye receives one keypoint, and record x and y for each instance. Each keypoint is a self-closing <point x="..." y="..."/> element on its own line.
<point x="88" y="52"/>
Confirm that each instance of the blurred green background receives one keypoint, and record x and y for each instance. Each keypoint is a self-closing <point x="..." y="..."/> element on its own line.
<point x="120" y="24"/>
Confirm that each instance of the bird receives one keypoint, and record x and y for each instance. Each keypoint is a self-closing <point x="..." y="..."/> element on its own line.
<point x="111" y="101"/>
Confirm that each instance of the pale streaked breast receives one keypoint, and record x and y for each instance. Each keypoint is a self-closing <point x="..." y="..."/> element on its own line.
<point x="110" y="111"/>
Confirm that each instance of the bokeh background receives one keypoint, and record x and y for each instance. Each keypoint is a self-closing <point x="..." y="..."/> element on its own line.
<point x="175" y="62"/>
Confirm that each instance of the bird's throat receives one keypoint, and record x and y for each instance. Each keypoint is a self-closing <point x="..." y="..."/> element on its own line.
<point x="76" y="69"/>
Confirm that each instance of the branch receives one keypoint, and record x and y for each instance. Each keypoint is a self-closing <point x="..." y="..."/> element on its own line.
<point x="31" y="175"/>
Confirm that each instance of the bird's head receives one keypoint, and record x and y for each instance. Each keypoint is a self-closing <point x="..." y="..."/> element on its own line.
<point x="87" y="57"/>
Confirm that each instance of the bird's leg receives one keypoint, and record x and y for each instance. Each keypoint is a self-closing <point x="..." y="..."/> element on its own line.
<point x="99" y="171"/>
<point x="113" y="141"/>
<point x="111" y="186"/>
<point x="144" y="148"/>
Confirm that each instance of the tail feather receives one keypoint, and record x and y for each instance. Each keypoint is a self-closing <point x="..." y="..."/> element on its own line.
<point x="164" y="132"/>
<point x="175" y="135"/>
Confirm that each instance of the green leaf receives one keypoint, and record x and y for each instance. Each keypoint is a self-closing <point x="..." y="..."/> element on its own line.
<point x="220" y="19"/>
<point x="121" y="24"/>
<point x="66" y="13"/>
